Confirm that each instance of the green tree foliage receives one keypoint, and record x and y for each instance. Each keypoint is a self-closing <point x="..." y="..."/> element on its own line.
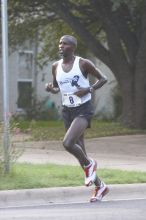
<point x="113" y="30"/>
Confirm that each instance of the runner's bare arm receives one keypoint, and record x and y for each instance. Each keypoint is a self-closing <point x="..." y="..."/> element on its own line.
<point x="53" y="87"/>
<point x="87" y="67"/>
<point x="90" y="68"/>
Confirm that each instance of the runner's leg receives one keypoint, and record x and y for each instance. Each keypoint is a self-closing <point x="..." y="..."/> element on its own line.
<point x="72" y="139"/>
<point x="80" y="142"/>
<point x="74" y="143"/>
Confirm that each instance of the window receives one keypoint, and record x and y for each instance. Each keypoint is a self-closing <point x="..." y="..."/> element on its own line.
<point x="25" y="64"/>
<point x="24" y="95"/>
<point x="24" y="85"/>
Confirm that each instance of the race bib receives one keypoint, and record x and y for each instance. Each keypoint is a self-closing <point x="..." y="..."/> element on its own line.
<point x="71" y="100"/>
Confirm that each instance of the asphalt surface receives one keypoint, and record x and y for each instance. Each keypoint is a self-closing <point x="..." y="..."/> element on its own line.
<point x="123" y="152"/>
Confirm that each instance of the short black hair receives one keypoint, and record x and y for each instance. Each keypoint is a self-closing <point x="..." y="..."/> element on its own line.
<point x="71" y="39"/>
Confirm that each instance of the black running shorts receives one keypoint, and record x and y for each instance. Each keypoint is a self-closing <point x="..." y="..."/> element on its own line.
<point x="70" y="113"/>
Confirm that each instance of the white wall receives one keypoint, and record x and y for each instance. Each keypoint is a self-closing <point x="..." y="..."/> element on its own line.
<point x="12" y="80"/>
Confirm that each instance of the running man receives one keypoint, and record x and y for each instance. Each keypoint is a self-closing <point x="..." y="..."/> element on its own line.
<point x="70" y="77"/>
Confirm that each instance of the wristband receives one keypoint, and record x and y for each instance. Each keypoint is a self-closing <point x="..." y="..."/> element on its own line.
<point x="91" y="89"/>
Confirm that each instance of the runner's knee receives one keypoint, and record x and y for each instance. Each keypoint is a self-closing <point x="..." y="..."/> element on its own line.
<point x="67" y="144"/>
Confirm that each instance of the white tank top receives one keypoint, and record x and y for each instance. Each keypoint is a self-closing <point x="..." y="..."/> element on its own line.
<point x="70" y="82"/>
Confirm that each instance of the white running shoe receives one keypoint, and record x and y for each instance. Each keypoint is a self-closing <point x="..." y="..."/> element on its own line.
<point x="99" y="192"/>
<point x="90" y="173"/>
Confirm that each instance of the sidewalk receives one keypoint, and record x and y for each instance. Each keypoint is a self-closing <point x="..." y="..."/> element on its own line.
<point x="118" y="152"/>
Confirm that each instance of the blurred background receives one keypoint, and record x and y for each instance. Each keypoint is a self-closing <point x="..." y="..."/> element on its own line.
<point x="111" y="33"/>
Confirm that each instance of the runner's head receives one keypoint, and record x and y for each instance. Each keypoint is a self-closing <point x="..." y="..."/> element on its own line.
<point x="67" y="45"/>
<point x="70" y="39"/>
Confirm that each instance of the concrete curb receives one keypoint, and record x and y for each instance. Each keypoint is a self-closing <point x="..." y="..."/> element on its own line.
<point x="43" y="196"/>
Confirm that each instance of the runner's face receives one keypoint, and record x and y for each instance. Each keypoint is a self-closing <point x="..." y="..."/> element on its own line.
<point x="65" y="47"/>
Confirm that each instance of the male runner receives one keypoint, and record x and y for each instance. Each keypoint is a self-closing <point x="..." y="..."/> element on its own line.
<point x="70" y="77"/>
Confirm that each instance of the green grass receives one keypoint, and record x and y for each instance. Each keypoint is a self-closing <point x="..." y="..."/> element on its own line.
<point x="54" y="130"/>
<point x="49" y="175"/>
<point x="26" y="176"/>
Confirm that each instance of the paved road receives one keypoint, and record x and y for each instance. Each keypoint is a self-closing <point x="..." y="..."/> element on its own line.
<point x="107" y="210"/>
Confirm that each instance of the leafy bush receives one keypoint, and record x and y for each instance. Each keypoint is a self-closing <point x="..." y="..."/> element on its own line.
<point x="13" y="153"/>
<point x="42" y="110"/>
<point x="38" y="110"/>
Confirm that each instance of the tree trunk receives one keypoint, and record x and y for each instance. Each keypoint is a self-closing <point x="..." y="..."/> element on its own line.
<point x="140" y="90"/>
<point x="128" y="66"/>
<point x="140" y="97"/>
<point x="127" y="117"/>
<point x="122" y="72"/>
<point x="140" y="80"/>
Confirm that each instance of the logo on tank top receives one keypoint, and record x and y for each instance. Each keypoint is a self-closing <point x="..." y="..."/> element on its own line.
<point x="75" y="81"/>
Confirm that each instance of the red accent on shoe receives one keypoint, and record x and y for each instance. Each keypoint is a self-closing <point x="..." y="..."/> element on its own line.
<point x="95" y="198"/>
<point x="90" y="173"/>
